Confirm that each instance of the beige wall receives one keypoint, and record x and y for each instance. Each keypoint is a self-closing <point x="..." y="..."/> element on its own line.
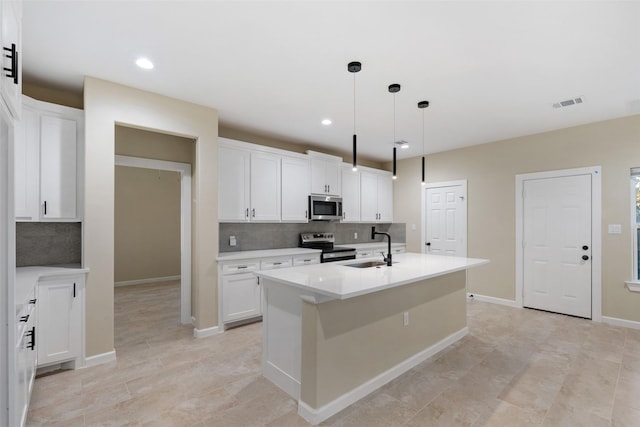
<point x="346" y="343"/>
<point x="55" y="95"/>
<point x="107" y="105"/>
<point x="491" y="169"/>
<point x="147" y="224"/>
<point x="153" y="145"/>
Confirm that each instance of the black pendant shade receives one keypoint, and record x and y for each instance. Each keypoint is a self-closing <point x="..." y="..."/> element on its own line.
<point x="354" y="67"/>
<point x="422" y="105"/>
<point x="394" y="88"/>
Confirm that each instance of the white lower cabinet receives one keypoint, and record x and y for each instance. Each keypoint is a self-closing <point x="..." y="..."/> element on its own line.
<point x="25" y="364"/>
<point x="60" y="319"/>
<point x="241" y="296"/>
<point x="240" y="291"/>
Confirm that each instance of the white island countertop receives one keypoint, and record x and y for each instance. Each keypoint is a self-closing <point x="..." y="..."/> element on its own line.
<point x="339" y="281"/>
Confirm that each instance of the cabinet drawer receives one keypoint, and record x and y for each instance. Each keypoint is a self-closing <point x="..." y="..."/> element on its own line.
<point x="398" y="250"/>
<point x="306" y="260"/>
<point x="271" y="263"/>
<point x="240" y="267"/>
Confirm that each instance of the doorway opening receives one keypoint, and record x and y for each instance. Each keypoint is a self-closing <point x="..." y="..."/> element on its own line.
<point x="181" y="172"/>
<point x="558" y="241"/>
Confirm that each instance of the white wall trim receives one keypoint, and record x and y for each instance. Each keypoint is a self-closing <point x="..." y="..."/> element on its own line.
<point x="143" y="281"/>
<point x="621" y="322"/>
<point x="99" y="359"/>
<point x="463" y="184"/>
<point x="316" y="416"/>
<point x="206" y="332"/>
<point x="596" y="232"/>
<point x="633" y="285"/>
<point x="184" y="169"/>
<point x="493" y="300"/>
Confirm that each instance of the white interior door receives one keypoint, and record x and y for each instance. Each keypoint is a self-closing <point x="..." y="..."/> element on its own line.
<point x="557" y="244"/>
<point x="445" y="220"/>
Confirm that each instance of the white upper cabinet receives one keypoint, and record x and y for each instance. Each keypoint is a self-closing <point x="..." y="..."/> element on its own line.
<point x="325" y="177"/>
<point x="376" y="197"/>
<point x="295" y="189"/>
<point x="27" y="166"/>
<point x="11" y="59"/>
<point x="58" y="173"/>
<point x="350" y="194"/>
<point x="48" y="162"/>
<point x="265" y="187"/>
<point x="385" y="198"/>
<point x="233" y="184"/>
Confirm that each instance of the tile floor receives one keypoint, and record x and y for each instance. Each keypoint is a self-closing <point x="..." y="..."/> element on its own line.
<point x="517" y="367"/>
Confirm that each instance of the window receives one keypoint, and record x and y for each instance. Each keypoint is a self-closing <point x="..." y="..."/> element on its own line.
<point x="635" y="221"/>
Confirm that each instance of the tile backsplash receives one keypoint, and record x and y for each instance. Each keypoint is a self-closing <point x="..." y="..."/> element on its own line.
<point x="48" y="243"/>
<point x="253" y="236"/>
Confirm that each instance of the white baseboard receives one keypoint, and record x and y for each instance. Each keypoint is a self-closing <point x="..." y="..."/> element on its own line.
<point x="143" y="281"/>
<point x="207" y="332"/>
<point x="99" y="359"/>
<point x="316" y="416"/>
<point x="286" y="382"/>
<point x="493" y="300"/>
<point x="621" y="322"/>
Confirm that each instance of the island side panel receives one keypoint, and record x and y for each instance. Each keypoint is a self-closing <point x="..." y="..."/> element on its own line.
<point x="360" y="338"/>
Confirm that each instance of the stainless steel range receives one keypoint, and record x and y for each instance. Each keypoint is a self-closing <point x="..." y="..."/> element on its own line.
<point x="325" y="242"/>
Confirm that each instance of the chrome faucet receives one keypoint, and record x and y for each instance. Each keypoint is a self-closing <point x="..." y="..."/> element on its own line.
<point x="387" y="258"/>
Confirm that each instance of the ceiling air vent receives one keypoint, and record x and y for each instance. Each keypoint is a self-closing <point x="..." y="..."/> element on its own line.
<point x="569" y="102"/>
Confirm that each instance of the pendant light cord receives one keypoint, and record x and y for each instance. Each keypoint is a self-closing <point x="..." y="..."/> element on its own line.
<point x="354" y="103"/>
<point x="423" y="132"/>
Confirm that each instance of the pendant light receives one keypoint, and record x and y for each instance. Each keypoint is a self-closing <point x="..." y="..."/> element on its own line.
<point x="422" y="105"/>
<point x="354" y="67"/>
<point x="394" y="88"/>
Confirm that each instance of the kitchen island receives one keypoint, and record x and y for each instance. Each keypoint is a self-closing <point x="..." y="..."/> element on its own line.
<point x="333" y="333"/>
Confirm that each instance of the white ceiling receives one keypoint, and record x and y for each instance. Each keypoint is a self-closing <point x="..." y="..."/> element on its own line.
<point x="491" y="70"/>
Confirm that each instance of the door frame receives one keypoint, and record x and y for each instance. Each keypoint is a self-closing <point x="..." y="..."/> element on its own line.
<point x="462" y="183"/>
<point x="596" y="232"/>
<point x="184" y="169"/>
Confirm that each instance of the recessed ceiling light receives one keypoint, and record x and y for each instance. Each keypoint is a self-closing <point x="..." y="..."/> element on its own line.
<point x="144" y="63"/>
<point x="402" y="144"/>
<point x="326" y="122"/>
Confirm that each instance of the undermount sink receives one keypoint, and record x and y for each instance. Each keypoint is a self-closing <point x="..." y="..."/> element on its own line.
<point x="367" y="264"/>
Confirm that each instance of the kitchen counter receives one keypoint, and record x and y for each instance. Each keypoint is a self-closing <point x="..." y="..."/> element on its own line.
<point x="333" y="334"/>
<point x="265" y="253"/>
<point x="337" y="280"/>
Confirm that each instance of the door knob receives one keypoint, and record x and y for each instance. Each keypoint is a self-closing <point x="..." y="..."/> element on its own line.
<point x="585" y="248"/>
<point x="428" y="244"/>
<point x="585" y="257"/>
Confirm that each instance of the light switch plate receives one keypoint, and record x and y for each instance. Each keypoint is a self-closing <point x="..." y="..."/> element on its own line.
<point x="232" y="240"/>
<point x="615" y="228"/>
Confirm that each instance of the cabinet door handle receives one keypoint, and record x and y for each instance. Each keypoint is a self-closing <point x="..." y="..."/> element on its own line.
<point x="253" y="212"/>
<point x="13" y="71"/>
<point x="277" y="263"/>
<point x="74" y="290"/>
<point x="24" y="319"/>
<point x="241" y="267"/>
<point x="45" y="207"/>
<point x="32" y="301"/>
<point x="246" y="214"/>
<point x="32" y="334"/>
<point x="329" y="188"/>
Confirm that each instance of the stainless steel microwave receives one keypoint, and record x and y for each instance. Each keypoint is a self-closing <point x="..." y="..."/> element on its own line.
<point x="325" y="208"/>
